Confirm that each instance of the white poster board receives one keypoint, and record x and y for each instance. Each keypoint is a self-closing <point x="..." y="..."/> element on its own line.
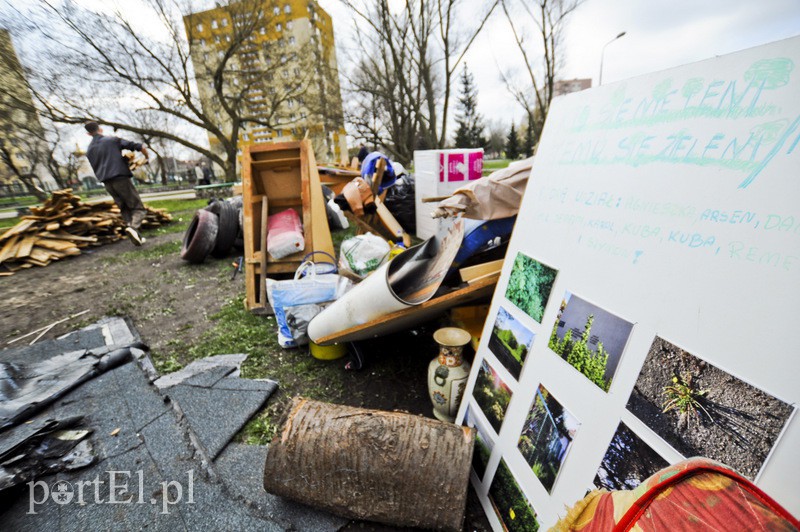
<point x="667" y="208"/>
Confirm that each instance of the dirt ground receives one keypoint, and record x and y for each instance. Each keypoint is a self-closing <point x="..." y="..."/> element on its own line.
<point x="185" y="311"/>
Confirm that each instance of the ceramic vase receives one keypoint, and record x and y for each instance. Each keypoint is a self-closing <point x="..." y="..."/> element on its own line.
<point x="447" y="373"/>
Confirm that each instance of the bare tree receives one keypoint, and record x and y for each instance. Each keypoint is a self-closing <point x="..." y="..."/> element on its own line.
<point x="101" y="66"/>
<point x="542" y="56"/>
<point x="405" y="71"/>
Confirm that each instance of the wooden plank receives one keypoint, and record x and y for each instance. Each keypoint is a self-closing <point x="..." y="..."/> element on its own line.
<point x="26" y="246"/>
<point x="471" y="272"/>
<point x="248" y="230"/>
<point x="290" y="161"/>
<point x="20" y="228"/>
<point x="42" y="255"/>
<point x="9" y="249"/>
<point x="320" y="230"/>
<point x="495" y="275"/>
<point x="262" y="283"/>
<point x="403" y="319"/>
<point x="389" y="221"/>
<point x="377" y="179"/>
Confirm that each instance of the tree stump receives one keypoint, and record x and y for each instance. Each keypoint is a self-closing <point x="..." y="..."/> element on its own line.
<point x="389" y="467"/>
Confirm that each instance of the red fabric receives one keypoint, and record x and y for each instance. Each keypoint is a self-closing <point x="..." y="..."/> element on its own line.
<point x="696" y="497"/>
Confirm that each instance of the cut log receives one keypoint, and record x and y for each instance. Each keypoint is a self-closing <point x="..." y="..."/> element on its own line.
<point x="389" y="467"/>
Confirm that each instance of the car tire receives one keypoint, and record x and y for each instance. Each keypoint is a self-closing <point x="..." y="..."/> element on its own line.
<point x="200" y="237"/>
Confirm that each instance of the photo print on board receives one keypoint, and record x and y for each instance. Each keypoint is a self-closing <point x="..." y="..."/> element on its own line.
<point x="510" y="342"/>
<point x="702" y="410"/>
<point x="483" y="443"/>
<point x="492" y="395"/>
<point x="510" y="503"/>
<point x="590" y="339"/>
<point x="627" y="462"/>
<point x="546" y="436"/>
<point x="529" y="285"/>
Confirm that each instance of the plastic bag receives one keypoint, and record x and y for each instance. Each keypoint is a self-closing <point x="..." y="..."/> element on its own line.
<point x="297" y="301"/>
<point x="285" y="234"/>
<point x="363" y="254"/>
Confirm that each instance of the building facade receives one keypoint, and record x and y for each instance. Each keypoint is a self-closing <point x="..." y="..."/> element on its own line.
<point x="285" y="69"/>
<point x="21" y="132"/>
<point x="566" y="86"/>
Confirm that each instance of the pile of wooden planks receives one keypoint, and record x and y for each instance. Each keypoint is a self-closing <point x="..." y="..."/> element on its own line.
<point x="63" y="226"/>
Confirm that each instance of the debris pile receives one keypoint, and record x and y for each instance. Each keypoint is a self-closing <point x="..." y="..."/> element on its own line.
<point x="62" y="227"/>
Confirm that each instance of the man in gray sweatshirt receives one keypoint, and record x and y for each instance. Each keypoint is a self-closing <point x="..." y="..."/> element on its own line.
<point x="111" y="169"/>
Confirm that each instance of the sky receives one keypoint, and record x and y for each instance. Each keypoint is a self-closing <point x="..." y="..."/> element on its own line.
<point x="660" y="34"/>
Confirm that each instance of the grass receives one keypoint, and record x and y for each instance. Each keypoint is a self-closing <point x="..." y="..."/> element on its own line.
<point x="235" y="330"/>
<point x="5" y="223"/>
<point x="158" y="251"/>
<point x="178" y="205"/>
<point x="495" y="164"/>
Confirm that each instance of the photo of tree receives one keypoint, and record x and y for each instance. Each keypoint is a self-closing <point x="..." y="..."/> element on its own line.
<point x="546" y="436"/>
<point x="590" y="339"/>
<point x="529" y="285"/>
<point x="483" y="443"/>
<point x="510" y="503"/>
<point x="492" y="395"/>
<point x="702" y="410"/>
<point x="628" y="462"/>
<point x="510" y="342"/>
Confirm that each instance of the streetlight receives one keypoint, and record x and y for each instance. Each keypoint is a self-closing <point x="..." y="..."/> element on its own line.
<point x="600" y="79"/>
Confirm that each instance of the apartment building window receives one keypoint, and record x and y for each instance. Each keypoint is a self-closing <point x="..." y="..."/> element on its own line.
<point x="263" y="30"/>
<point x="292" y="40"/>
<point x="224" y="22"/>
<point x="285" y="74"/>
<point x="228" y="38"/>
<point x="287" y="9"/>
<point x="236" y="81"/>
<point x="216" y="38"/>
<point x="283" y="59"/>
<point x="245" y="136"/>
<point x="297" y="72"/>
<point x="276" y="10"/>
<point x="199" y="27"/>
<point x="290" y="103"/>
<point x="214" y="24"/>
<point x="202" y="42"/>
<point x="289" y="24"/>
<point x="278" y="27"/>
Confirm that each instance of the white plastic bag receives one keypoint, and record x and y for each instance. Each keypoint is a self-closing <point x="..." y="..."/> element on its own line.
<point x="297" y="301"/>
<point x="363" y="254"/>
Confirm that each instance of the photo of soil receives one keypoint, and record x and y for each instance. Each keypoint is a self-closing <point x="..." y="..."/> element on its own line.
<point x="510" y="503"/>
<point x="590" y="339"/>
<point x="546" y="437"/>
<point x="701" y="410"/>
<point x="492" y="395"/>
<point x="628" y="462"/>
<point x="483" y="443"/>
<point x="510" y="342"/>
<point x="529" y="285"/>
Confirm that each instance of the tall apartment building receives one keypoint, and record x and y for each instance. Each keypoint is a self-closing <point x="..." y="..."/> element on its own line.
<point x="566" y="86"/>
<point x="21" y="131"/>
<point x="290" y="46"/>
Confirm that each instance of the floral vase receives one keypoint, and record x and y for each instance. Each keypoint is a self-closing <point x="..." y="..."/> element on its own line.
<point x="447" y="373"/>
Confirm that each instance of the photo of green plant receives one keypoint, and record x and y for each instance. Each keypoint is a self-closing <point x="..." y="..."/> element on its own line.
<point x="509" y="503"/>
<point x="628" y="462"/>
<point x="529" y="285"/>
<point x="701" y="410"/>
<point x="483" y="443"/>
<point x="492" y="395"/>
<point x="546" y="436"/>
<point x="510" y="342"/>
<point x="590" y="339"/>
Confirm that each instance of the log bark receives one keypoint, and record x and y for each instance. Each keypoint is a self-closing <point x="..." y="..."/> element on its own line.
<point x="389" y="467"/>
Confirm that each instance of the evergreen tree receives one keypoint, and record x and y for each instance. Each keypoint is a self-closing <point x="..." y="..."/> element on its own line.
<point x="512" y="143"/>
<point x="470" y="124"/>
<point x="528" y="146"/>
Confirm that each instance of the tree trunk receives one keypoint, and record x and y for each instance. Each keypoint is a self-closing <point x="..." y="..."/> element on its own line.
<point x="390" y="467"/>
